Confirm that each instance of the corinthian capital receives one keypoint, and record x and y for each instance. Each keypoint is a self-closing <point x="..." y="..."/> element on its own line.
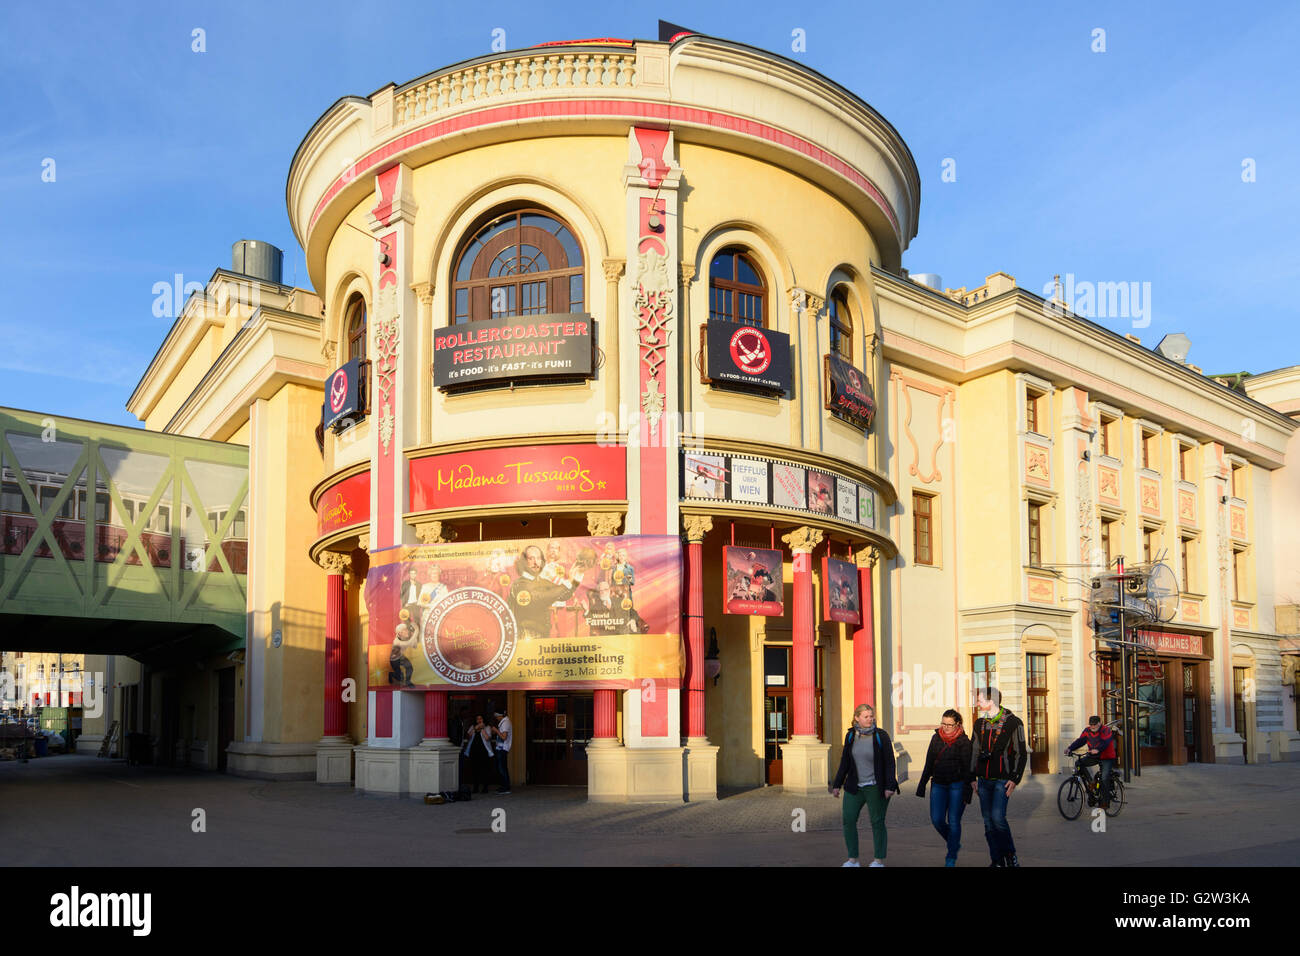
<point x="697" y="526"/>
<point x="430" y="532"/>
<point x="613" y="269"/>
<point x="867" y="557"/>
<point x="334" y="563"/>
<point x="602" y="524"/>
<point x="803" y="540"/>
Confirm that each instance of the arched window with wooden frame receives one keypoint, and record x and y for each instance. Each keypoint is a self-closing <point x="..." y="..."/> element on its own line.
<point x="737" y="291"/>
<point x="354" y="328"/>
<point x="525" y="262"/>
<point x="841" y="325"/>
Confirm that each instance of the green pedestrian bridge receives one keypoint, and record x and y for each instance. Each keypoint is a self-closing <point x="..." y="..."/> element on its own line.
<point x="117" y="540"/>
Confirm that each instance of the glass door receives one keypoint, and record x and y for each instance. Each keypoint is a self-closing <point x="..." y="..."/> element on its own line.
<point x="778" y="702"/>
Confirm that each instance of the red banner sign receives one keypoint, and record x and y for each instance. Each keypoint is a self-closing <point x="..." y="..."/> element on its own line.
<point x="753" y="583"/>
<point x="532" y="473"/>
<point x="840" y="599"/>
<point x="344" y="504"/>
<point x="1167" y="642"/>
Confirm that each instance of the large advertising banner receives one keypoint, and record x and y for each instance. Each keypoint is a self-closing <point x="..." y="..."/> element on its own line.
<point x="516" y="346"/>
<point x="562" y="613"/>
<point x="754" y="581"/>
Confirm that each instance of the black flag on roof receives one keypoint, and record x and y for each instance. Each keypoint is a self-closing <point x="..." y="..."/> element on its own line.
<point x="668" y="32"/>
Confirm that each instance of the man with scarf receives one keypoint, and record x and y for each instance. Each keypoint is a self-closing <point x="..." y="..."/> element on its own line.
<point x="998" y="758"/>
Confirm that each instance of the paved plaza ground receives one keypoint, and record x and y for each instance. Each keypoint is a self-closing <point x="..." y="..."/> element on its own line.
<point x="73" y="810"/>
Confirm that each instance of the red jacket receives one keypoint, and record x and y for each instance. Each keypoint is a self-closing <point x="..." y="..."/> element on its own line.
<point x="1101" y="740"/>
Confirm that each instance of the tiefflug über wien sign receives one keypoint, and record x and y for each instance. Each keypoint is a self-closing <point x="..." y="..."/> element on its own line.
<point x="514" y="347"/>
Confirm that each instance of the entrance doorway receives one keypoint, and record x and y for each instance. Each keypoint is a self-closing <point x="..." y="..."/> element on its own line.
<point x="1239" y="710"/>
<point x="559" y="729"/>
<point x="1191" y="713"/>
<point x="1036" y="690"/>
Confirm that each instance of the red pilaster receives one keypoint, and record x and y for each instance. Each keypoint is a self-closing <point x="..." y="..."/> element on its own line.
<point x="606" y="721"/>
<point x="864" y="644"/>
<point x="805" y="723"/>
<point x="435" y="715"/>
<point x="336" y="647"/>
<point x="694" y="640"/>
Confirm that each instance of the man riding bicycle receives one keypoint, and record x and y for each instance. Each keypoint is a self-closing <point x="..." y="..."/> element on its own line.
<point x="1100" y="741"/>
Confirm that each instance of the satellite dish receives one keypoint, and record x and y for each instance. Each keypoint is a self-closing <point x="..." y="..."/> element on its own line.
<point x="1162" y="592"/>
<point x="1175" y="347"/>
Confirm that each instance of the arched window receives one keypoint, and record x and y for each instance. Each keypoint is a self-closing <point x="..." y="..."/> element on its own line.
<point x="525" y="262"/>
<point x="841" y="325"/>
<point x="737" y="292"/>
<point x="354" y="324"/>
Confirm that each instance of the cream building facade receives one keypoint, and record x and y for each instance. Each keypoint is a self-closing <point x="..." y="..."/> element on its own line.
<point x="1005" y="450"/>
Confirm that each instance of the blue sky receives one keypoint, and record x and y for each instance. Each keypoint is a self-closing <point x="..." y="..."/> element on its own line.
<point x="1115" y="166"/>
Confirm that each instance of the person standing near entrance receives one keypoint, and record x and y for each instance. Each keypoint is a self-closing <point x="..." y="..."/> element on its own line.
<point x="479" y="750"/>
<point x="947" y="768"/>
<point x="998" y="758"/>
<point x="867" y="774"/>
<point x="503" y="736"/>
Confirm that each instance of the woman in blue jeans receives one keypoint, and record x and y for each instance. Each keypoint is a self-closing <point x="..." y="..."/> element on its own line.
<point x="947" y="767"/>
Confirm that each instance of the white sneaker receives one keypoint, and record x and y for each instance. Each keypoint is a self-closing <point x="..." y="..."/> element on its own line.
<point x="850" y="863"/>
<point x="876" y="863"/>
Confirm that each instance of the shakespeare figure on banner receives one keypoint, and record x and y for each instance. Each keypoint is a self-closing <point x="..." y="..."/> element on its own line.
<point x="539" y="613"/>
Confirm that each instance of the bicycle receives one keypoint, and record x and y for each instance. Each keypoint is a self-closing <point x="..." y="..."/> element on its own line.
<point x="1080" y="784"/>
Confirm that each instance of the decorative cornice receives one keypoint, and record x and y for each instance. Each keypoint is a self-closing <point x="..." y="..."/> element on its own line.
<point x="602" y="524"/>
<point x="697" y="526"/>
<point x="803" y="540"/>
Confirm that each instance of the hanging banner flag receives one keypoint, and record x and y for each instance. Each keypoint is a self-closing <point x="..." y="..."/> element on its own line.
<point x="542" y="613"/>
<point x="847" y="393"/>
<point x="840" y="599"/>
<point x="753" y="582"/>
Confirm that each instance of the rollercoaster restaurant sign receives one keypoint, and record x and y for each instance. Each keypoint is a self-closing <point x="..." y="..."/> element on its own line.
<point x="511" y="347"/>
<point x="531" y="473"/>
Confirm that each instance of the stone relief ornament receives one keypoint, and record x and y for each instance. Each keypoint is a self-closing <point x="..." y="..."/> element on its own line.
<point x="386" y="340"/>
<point x="654" y="309"/>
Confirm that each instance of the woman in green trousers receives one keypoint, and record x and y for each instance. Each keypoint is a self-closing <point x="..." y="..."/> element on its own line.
<point x="867" y="776"/>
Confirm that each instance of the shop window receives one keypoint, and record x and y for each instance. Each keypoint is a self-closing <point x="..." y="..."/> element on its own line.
<point x="525" y="262"/>
<point x="355" y="326"/>
<point x="923" y="528"/>
<point x="841" y="326"/>
<point x="737" y="292"/>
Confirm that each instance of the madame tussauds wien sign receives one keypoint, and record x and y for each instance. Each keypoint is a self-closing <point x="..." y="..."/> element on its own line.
<point x="516" y="346"/>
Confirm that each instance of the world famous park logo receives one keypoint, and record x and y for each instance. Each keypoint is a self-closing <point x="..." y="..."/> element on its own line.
<point x="469" y="636"/>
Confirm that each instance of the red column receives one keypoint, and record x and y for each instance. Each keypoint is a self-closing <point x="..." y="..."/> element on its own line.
<point x="435" y="715"/>
<point x="694" y="640"/>
<point x="864" y="644"/>
<point x="606" y="721"/>
<point x="336" y="644"/>
<point x="805" y="701"/>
